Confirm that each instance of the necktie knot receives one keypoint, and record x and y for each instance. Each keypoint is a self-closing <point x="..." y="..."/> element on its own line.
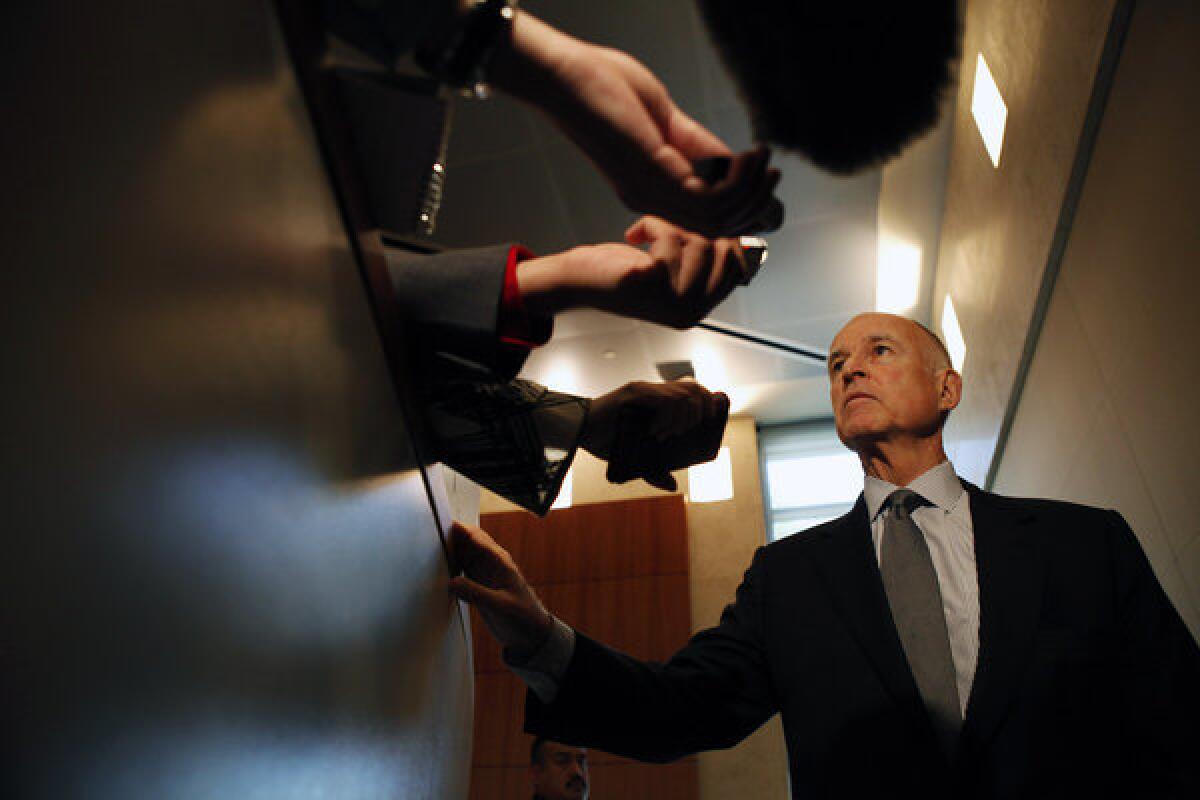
<point x="904" y="501"/>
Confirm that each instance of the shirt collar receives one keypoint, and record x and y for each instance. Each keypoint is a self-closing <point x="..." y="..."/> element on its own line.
<point x="939" y="485"/>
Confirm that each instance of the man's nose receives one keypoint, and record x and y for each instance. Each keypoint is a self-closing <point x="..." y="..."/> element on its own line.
<point x="853" y="367"/>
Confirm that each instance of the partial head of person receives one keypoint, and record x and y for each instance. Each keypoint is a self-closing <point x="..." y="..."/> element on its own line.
<point x="558" y="771"/>
<point x="891" y="382"/>
<point x="848" y="85"/>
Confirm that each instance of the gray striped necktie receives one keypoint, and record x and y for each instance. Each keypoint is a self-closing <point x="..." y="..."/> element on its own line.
<point x="911" y="584"/>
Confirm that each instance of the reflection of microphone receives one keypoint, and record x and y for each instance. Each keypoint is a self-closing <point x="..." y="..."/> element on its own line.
<point x="712" y="170"/>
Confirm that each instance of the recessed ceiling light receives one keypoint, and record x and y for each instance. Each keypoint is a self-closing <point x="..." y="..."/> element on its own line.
<point x="953" y="334"/>
<point x="711" y="482"/>
<point x="989" y="110"/>
<point x="898" y="275"/>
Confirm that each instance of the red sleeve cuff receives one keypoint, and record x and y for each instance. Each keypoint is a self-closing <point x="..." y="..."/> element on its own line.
<point x="514" y="324"/>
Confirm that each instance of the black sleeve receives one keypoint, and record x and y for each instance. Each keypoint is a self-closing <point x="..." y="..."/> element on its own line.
<point x="1161" y="675"/>
<point x="517" y="439"/>
<point x="711" y="694"/>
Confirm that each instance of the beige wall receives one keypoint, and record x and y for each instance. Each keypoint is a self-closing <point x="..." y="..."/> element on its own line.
<point x="999" y="222"/>
<point x="912" y="197"/>
<point x="722" y="540"/>
<point x="1108" y="415"/>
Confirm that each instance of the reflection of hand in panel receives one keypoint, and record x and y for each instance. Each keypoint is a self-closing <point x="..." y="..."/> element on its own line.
<point x="676" y="281"/>
<point x="646" y="430"/>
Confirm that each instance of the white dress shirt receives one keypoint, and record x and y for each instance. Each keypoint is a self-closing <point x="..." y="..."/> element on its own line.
<point x="946" y="523"/>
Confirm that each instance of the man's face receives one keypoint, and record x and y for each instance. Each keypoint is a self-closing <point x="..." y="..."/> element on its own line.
<point x="888" y="381"/>
<point x="562" y="773"/>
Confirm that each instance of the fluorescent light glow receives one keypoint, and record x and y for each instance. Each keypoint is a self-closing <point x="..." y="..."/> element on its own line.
<point x="711" y="482"/>
<point x="987" y="106"/>
<point x="712" y="375"/>
<point x="564" y="494"/>
<point x="562" y="376"/>
<point x="710" y="369"/>
<point x="952" y="333"/>
<point x="740" y="397"/>
<point x="898" y="275"/>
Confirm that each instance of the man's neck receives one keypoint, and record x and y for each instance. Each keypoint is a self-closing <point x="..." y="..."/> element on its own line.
<point x="901" y="462"/>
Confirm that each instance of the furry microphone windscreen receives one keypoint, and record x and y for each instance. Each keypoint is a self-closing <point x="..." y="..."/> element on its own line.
<point x="846" y="84"/>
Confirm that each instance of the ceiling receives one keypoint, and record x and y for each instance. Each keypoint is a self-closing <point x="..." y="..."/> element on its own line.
<point x="512" y="177"/>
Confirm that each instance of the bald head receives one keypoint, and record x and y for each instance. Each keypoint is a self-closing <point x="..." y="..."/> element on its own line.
<point x="935" y="351"/>
<point x="932" y="348"/>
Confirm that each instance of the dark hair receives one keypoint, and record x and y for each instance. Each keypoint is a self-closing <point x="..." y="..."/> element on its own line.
<point x="847" y="84"/>
<point x="535" y="751"/>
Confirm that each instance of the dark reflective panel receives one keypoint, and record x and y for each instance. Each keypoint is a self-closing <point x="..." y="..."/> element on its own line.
<point x="222" y="577"/>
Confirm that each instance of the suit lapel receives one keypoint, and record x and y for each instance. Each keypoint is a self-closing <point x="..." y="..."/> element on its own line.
<point x="1011" y="573"/>
<point x="851" y="573"/>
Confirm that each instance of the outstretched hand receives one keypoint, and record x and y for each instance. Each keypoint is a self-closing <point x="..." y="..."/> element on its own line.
<point x="683" y="425"/>
<point x="491" y="581"/>
<point x="676" y="281"/>
<point x="622" y="117"/>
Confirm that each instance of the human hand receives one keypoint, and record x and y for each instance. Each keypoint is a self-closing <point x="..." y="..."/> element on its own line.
<point x="680" y="420"/>
<point x="622" y="117"/>
<point x="676" y="282"/>
<point x="492" y="582"/>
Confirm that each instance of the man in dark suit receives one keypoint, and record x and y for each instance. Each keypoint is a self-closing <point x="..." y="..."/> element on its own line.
<point x="936" y="641"/>
<point x="558" y="771"/>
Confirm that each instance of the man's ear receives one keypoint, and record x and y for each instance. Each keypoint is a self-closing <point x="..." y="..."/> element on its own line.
<point x="951" y="391"/>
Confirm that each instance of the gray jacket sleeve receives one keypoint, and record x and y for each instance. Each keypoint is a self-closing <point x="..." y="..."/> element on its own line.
<point x="451" y="304"/>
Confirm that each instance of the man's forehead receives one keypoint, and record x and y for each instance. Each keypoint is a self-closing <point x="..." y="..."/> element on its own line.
<point x="555" y="747"/>
<point x="870" y="327"/>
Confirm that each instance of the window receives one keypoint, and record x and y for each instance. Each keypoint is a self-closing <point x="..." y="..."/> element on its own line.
<point x="809" y="477"/>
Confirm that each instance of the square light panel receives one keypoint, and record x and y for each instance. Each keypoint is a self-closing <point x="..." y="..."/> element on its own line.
<point x="989" y="110"/>
<point x="952" y="333"/>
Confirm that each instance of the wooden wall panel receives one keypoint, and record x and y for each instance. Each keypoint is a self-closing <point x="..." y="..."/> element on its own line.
<point x="617" y="571"/>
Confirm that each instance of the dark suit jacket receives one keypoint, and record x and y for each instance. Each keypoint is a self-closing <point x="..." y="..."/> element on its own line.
<point x="1087" y="684"/>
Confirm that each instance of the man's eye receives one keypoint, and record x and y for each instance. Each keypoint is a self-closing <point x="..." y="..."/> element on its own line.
<point x="880" y="349"/>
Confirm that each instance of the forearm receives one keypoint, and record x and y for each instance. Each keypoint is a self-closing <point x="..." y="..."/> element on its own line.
<point x="712" y="693"/>
<point x="548" y="285"/>
<point x="527" y="65"/>
<point x="645" y="710"/>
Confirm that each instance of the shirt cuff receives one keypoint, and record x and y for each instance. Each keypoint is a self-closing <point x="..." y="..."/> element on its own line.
<point x="543" y="671"/>
<point x="515" y="325"/>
